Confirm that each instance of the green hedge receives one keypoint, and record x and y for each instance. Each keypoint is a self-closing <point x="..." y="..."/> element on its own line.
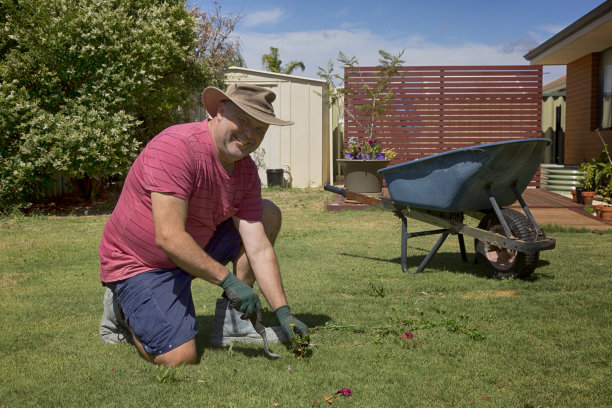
<point x="85" y="83"/>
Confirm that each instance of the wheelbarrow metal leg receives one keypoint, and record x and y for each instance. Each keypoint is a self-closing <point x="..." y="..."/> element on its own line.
<point x="464" y="257"/>
<point x="404" y="243"/>
<point x="432" y="252"/>
<point x="527" y="211"/>
<point x="498" y="212"/>
<point x="407" y="235"/>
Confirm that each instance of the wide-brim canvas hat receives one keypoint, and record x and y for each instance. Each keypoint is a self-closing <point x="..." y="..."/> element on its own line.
<point x="254" y="100"/>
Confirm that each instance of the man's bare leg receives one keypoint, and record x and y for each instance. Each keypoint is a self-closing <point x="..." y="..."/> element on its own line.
<point x="183" y="354"/>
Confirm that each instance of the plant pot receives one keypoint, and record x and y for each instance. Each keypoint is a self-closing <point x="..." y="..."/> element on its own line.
<point x="579" y="191"/>
<point x="275" y="177"/>
<point x="597" y="210"/>
<point x="587" y="197"/>
<point x="574" y="199"/>
<point x="362" y="176"/>
<point x="605" y="212"/>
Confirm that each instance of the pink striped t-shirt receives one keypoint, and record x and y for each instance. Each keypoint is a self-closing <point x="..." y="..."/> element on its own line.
<point x="181" y="161"/>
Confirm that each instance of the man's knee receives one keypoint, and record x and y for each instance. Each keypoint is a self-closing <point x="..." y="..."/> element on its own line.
<point x="272" y="219"/>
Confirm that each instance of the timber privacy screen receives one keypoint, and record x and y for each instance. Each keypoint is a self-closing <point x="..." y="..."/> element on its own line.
<point x="436" y="109"/>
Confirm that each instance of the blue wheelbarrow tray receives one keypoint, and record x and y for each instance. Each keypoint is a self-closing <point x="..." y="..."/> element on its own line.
<point x="463" y="180"/>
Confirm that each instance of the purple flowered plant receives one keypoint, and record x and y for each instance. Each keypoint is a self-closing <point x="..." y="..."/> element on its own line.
<point x="345" y="391"/>
<point x="407" y="335"/>
<point x="365" y="149"/>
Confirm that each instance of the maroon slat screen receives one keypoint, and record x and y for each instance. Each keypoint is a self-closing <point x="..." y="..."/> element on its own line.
<point x="436" y="109"/>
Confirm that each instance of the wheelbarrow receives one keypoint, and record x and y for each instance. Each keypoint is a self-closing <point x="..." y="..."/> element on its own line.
<point x="477" y="181"/>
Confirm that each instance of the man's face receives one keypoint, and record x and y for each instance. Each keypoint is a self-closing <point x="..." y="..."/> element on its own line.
<point x="236" y="134"/>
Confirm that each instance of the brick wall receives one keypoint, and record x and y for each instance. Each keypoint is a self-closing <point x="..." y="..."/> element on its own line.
<point x="582" y="98"/>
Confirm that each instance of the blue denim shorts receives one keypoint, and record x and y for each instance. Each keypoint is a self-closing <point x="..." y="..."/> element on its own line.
<point x="158" y="304"/>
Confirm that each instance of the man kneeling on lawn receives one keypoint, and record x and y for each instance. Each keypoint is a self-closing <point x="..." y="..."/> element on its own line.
<point x="191" y="204"/>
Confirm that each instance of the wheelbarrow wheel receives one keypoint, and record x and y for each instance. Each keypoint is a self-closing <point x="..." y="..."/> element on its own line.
<point x="504" y="263"/>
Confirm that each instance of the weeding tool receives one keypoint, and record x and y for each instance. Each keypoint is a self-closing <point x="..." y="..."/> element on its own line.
<point x="257" y="319"/>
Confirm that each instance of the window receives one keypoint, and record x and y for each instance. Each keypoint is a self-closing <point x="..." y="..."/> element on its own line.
<point x="606" y="89"/>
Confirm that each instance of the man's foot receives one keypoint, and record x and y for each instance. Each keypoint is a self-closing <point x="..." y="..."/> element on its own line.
<point x="229" y="327"/>
<point x="113" y="329"/>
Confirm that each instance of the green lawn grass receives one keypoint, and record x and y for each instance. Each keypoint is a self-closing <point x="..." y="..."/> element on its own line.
<point x="477" y="342"/>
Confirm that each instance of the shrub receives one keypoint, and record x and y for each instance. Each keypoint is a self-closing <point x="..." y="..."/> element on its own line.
<point x="84" y="83"/>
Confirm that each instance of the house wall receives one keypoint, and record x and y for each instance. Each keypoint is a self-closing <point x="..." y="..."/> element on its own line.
<point x="582" y="98"/>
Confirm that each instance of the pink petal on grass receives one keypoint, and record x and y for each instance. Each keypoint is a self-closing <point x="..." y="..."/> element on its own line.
<point x="345" y="391"/>
<point x="407" y="335"/>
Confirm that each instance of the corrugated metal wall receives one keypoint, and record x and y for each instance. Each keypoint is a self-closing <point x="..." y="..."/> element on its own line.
<point x="553" y="127"/>
<point x="303" y="150"/>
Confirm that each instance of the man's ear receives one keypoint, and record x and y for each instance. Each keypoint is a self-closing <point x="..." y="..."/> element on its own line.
<point x="221" y="108"/>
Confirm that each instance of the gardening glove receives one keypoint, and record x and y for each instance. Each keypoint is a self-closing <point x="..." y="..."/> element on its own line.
<point x="291" y="324"/>
<point x="241" y="296"/>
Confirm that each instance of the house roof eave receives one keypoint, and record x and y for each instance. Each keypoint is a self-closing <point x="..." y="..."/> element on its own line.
<point x="591" y="33"/>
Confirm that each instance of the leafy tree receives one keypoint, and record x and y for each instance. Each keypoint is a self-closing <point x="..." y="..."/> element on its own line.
<point x="272" y="63"/>
<point x="291" y="66"/>
<point x="84" y="83"/>
<point x="216" y="45"/>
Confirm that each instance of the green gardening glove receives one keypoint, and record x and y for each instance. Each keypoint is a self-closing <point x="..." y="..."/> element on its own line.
<point x="241" y="296"/>
<point x="287" y="320"/>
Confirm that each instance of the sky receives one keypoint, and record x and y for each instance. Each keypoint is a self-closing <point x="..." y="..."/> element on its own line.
<point x="432" y="32"/>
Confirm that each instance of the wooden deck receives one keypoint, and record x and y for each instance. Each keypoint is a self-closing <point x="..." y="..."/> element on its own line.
<point x="548" y="208"/>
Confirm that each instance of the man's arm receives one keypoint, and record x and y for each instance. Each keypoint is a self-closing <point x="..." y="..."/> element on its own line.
<point x="262" y="259"/>
<point x="169" y="216"/>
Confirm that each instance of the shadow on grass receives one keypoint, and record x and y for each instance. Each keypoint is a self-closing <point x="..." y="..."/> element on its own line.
<point x="72" y="206"/>
<point x="205" y="325"/>
<point x="449" y="261"/>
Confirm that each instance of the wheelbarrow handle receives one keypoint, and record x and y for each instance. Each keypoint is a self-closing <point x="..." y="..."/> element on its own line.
<point x="363" y="198"/>
<point x="335" y="190"/>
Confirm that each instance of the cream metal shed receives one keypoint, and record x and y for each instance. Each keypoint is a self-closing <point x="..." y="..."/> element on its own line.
<point x="302" y="150"/>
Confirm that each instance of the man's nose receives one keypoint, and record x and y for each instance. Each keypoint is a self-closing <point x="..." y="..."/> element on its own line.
<point x="250" y="132"/>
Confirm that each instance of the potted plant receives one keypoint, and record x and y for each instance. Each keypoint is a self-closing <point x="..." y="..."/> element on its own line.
<point x="585" y="192"/>
<point x="364" y="156"/>
<point x="597" y="176"/>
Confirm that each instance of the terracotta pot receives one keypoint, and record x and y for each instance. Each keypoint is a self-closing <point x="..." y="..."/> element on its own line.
<point x="574" y="199"/>
<point x="598" y="210"/>
<point x="605" y="212"/>
<point x="587" y="197"/>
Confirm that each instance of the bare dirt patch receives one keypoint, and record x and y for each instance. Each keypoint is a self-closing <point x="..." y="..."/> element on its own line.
<point x="8" y="280"/>
<point x="481" y="294"/>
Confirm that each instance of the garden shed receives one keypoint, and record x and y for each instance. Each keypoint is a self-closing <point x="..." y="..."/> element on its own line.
<point x="302" y="151"/>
